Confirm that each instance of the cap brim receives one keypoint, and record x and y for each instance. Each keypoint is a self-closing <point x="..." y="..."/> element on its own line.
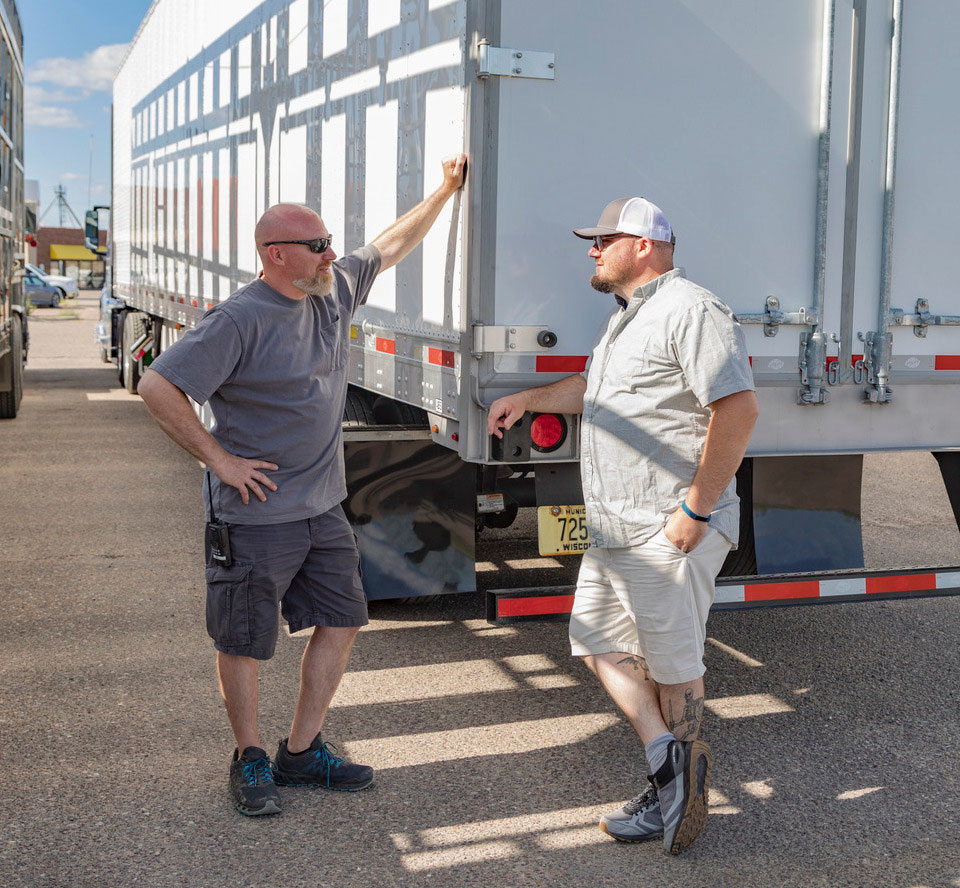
<point x="597" y="231"/>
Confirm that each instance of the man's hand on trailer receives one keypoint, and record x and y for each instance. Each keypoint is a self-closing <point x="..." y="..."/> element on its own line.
<point x="411" y="228"/>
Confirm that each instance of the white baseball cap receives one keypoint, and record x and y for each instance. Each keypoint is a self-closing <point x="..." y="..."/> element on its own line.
<point x="630" y="215"/>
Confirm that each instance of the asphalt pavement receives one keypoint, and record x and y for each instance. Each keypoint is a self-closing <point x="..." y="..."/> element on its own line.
<point x="834" y="728"/>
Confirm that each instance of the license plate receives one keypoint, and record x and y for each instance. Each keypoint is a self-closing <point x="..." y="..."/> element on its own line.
<point x="562" y="530"/>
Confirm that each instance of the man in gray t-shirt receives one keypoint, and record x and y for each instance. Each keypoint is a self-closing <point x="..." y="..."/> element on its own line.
<point x="668" y="409"/>
<point x="271" y="362"/>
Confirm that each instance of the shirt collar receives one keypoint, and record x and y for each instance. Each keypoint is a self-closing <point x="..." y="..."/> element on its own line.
<point x="645" y="291"/>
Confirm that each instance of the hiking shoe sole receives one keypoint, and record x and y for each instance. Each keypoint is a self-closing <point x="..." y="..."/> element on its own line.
<point x="635" y="841"/>
<point x="696" y="785"/>
<point x="280" y="780"/>
<point x="268" y="807"/>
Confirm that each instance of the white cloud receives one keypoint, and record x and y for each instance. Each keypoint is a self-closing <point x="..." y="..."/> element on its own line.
<point x="50" y="115"/>
<point x="65" y="177"/>
<point x="38" y="95"/>
<point x="92" y="72"/>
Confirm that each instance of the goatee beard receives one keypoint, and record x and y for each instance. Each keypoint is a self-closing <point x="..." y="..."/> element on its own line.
<point x="319" y="285"/>
<point x="600" y="285"/>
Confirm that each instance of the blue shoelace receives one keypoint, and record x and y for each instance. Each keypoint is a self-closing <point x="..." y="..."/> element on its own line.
<point x="257" y="772"/>
<point x="327" y="758"/>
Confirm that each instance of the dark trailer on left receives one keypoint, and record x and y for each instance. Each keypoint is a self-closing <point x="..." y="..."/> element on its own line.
<point x="13" y="315"/>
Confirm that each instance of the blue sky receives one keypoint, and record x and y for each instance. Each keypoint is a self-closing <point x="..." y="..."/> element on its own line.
<point x="71" y="51"/>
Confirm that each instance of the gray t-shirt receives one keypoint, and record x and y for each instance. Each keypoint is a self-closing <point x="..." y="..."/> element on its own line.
<point x="657" y="367"/>
<point x="274" y="371"/>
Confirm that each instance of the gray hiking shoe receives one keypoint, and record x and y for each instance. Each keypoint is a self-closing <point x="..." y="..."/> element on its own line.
<point x="683" y="783"/>
<point x="251" y="783"/>
<point x="638" y="820"/>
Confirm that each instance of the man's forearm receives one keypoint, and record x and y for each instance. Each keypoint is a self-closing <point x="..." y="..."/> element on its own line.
<point x="411" y="228"/>
<point x="728" y="435"/>
<point x="173" y="413"/>
<point x="563" y="396"/>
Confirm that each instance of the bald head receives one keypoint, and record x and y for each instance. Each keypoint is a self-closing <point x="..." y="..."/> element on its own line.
<point x="292" y="268"/>
<point x="287" y="221"/>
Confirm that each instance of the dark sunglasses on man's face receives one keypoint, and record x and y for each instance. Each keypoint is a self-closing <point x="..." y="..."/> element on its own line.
<point x="317" y="245"/>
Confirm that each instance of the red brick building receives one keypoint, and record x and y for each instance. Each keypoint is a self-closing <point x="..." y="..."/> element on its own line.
<point x="61" y="251"/>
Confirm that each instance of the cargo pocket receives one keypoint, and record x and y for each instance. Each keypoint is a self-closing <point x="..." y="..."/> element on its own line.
<point x="228" y="604"/>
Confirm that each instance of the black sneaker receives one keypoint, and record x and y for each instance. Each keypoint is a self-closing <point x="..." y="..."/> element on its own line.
<point x="683" y="783"/>
<point x="251" y="783"/>
<point x="319" y="766"/>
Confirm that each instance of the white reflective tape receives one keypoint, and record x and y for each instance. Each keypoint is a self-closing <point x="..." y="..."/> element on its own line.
<point x="843" y="586"/>
<point x="949" y="579"/>
<point x="725" y="594"/>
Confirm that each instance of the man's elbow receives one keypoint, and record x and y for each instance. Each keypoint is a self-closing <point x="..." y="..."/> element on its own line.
<point x="150" y="385"/>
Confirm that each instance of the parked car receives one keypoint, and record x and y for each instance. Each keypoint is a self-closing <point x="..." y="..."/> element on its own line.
<point x="38" y="292"/>
<point x="66" y="285"/>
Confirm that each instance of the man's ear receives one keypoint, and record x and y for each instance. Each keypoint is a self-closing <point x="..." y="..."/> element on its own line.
<point x="643" y="247"/>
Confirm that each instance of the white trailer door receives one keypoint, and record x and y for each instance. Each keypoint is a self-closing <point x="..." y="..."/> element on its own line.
<point x="710" y="112"/>
<point x="736" y="119"/>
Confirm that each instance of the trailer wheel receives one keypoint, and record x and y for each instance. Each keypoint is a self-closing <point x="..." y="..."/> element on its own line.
<point x="10" y="400"/>
<point x="742" y="561"/>
<point x="134" y="326"/>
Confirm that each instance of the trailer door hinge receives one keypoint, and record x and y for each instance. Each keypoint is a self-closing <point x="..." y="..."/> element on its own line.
<point x="512" y="338"/>
<point x="500" y="61"/>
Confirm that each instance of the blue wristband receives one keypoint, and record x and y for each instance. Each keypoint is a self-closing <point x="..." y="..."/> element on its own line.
<point x="690" y="513"/>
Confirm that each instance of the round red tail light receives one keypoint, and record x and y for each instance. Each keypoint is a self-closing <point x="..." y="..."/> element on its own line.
<point x="547" y="432"/>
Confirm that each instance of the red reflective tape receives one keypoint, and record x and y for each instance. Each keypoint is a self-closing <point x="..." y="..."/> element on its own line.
<point x="750" y="359"/>
<point x="947" y="362"/>
<point x="441" y="357"/>
<point x="561" y="363"/>
<point x="907" y="583"/>
<point x="528" y="607"/>
<point x="772" y="591"/>
<point x="194" y="301"/>
<point x="388" y="346"/>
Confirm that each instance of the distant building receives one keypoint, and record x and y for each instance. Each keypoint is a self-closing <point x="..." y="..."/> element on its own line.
<point x="61" y="251"/>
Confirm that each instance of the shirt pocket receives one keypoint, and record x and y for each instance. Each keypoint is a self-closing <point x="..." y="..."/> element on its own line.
<point x="627" y="361"/>
<point x="334" y="345"/>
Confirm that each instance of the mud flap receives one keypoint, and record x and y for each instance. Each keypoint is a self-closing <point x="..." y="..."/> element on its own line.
<point x="412" y="505"/>
<point x="806" y="513"/>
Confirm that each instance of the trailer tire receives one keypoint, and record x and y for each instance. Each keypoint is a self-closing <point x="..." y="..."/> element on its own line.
<point x="357" y="412"/>
<point x="389" y="411"/>
<point x="134" y="326"/>
<point x="742" y="561"/>
<point x="10" y="400"/>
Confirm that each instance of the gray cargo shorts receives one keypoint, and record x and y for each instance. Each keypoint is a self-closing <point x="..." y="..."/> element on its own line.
<point x="308" y="570"/>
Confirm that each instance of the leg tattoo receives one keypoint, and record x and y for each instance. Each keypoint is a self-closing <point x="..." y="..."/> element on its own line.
<point x="638" y="663"/>
<point x="688" y="724"/>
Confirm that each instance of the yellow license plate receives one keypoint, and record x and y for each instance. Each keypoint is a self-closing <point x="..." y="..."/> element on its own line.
<point x="562" y="530"/>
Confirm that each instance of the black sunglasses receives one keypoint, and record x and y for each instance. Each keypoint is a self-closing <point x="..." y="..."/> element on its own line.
<point x="317" y="245"/>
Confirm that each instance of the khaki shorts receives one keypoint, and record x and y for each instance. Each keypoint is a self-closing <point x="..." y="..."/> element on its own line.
<point x="651" y="601"/>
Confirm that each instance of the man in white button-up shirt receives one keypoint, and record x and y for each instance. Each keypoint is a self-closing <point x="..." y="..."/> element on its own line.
<point x="668" y="409"/>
